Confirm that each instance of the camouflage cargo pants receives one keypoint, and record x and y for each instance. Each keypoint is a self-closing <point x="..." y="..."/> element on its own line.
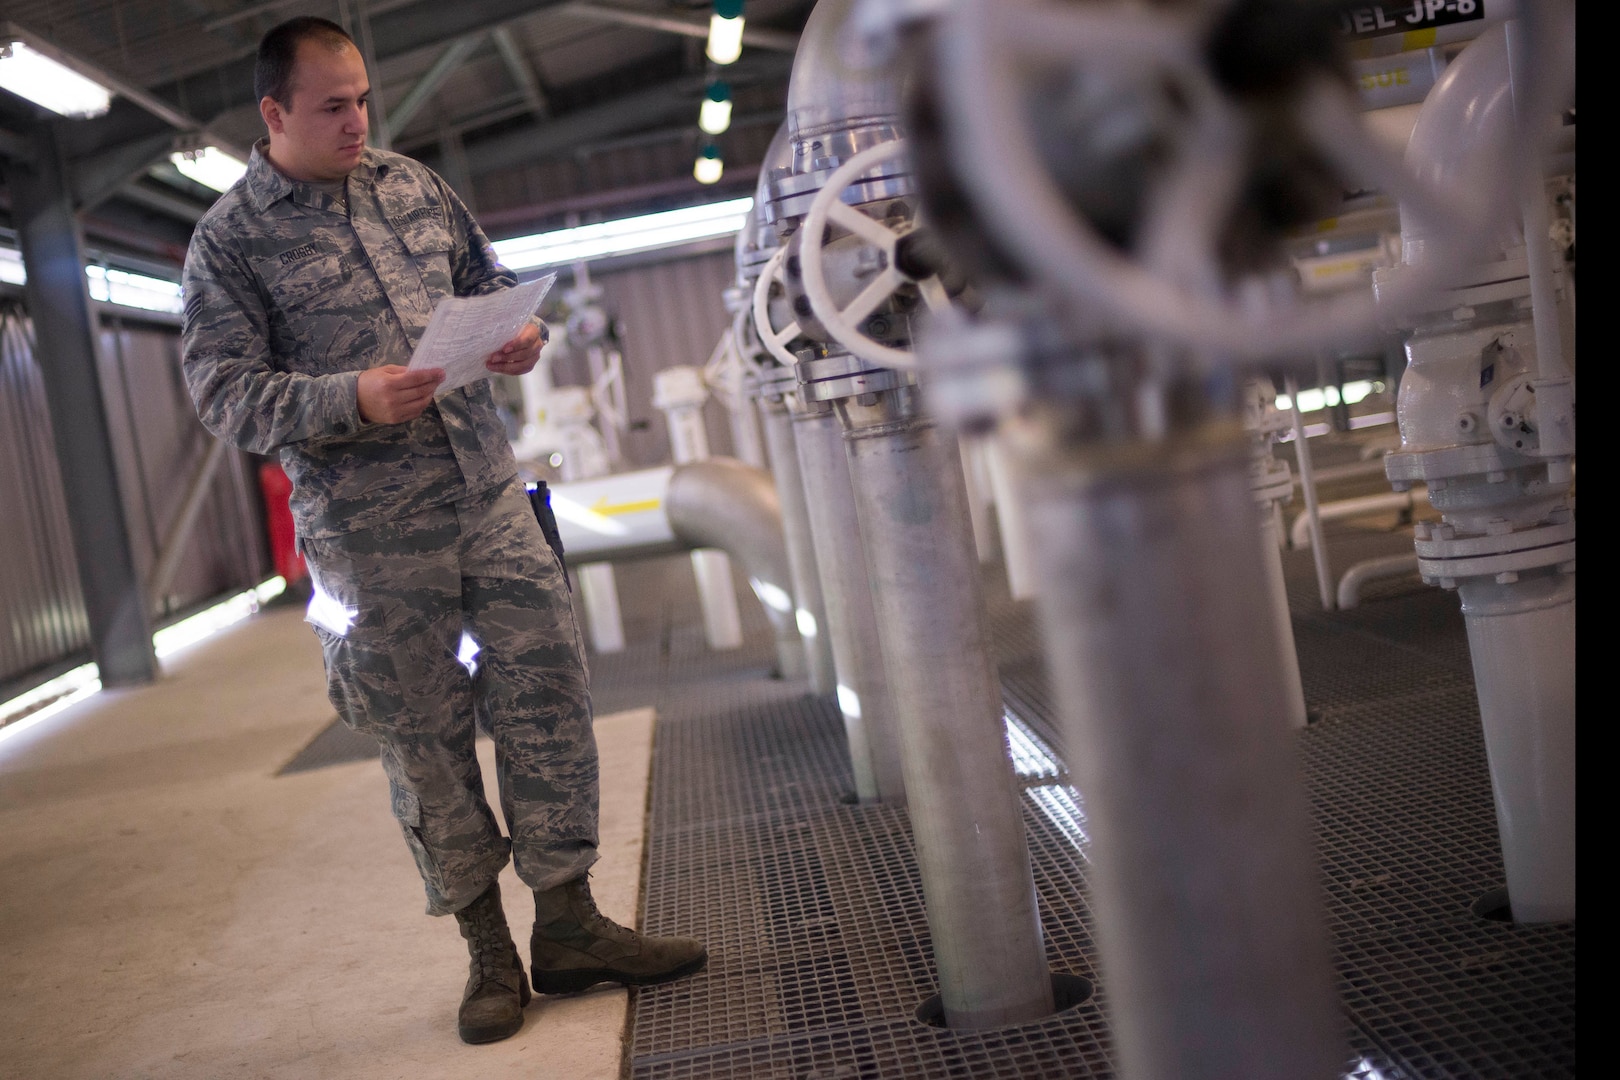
<point x="391" y="604"/>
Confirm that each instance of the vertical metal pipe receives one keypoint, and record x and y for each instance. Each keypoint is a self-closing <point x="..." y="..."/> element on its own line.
<point x="747" y="444"/>
<point x="976" y="472"/>
<point x="810" y="611"/>
<point x="680" y="393"/>
<point x="599" y="593"/>
<point x="852" y="628"/>
<point x="1282" y="618"/>
<point x="965" y="815"/>
<point x="1011" y="521"/>
<point x="1307" y="485"/>
<point x="1164" y="656"/>
<point x="1521" y="636"/>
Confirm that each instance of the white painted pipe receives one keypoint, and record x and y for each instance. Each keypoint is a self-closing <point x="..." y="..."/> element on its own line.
<point x="1299" y="533"/>
<point x="723" y="503"/>
<point x="679" y="392"/>
<point x="1010" y="520"/>
<point x="976" y="472"/>
<point x="1355" y="578"/>
<point x="599" y="592"/>
<point x="1556" y="382"/>
<point x="745" y="435"/>
<point x="1307" y="485"/>
<point x="1521" y="636"/>
<point x="614" y="516"/>
<point x="1281" y="616"/>
<point x="719" y="503"/>
<point x="563" y="415"/>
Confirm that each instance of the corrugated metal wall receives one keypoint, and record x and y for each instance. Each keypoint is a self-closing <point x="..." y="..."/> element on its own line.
<point x="158" y="441"/>
<point x="669" y="313"/>
<point x="39" y="584"/>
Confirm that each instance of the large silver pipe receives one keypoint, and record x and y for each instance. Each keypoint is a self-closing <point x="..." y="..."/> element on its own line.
<point x="964" y="802"/>
<point x="1164" y="657"/>
<point x="863" y="685"/>
<point x="810" y="610"/>
<point x="839" y="84"/>
<point x="723" y="503"/>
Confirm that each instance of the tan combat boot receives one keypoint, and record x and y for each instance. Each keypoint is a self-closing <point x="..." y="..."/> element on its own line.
<point x="492" y="1006"/>
<point x="575" y="946"/>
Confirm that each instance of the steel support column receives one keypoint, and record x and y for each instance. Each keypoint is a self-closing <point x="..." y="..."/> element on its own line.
<point x="65" y="347"/>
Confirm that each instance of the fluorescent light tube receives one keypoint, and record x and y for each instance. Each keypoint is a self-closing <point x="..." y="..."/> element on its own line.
<point x="51" y="84"/>
<point x="624" y="236"/>
<point x="211" y="167"/>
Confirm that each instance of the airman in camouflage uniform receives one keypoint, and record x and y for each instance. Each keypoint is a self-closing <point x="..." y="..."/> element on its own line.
<point x="415" y="531"/>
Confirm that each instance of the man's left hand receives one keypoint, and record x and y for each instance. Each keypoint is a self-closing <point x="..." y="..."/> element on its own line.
<point x="518" y="356"/>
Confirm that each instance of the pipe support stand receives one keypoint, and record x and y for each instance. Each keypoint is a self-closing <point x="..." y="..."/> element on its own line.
<point x="1166" y="664"/>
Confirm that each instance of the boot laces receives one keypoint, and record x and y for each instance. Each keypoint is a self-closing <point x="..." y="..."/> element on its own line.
<point x="487" y="943"/>
<point x="600" y="924"/>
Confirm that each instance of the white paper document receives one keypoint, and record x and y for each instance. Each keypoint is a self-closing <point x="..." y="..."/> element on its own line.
<point x="465" y="330"/>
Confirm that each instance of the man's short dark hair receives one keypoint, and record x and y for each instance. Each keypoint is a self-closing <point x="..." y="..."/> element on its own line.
<point x="272" y="74"/>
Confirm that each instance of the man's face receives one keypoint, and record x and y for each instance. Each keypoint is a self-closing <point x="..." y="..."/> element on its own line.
<point x="320" y="132"/>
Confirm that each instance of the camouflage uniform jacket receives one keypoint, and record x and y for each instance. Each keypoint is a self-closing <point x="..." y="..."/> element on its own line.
<point x="289" y="296"/>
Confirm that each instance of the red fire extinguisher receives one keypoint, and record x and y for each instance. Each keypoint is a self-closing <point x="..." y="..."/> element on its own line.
<point x="284" y="553"/>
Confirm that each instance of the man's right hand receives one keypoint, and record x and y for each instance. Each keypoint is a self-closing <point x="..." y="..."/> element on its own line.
<point x="392" y="394"/>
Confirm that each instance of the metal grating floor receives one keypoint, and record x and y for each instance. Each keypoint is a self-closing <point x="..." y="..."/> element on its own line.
<point x="814" y="917"/>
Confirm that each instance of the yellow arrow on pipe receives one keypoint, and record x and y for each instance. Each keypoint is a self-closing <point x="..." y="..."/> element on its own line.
<point x="607" y="509"/>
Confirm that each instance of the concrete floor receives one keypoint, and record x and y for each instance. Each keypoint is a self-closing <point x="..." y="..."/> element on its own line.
<point x="169" y="908"/>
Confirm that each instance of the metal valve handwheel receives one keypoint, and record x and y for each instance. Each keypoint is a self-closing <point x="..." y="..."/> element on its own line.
<point x="775" y="340"/>
<point x="986" y="50"/>
<point x="844" y="323"/>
